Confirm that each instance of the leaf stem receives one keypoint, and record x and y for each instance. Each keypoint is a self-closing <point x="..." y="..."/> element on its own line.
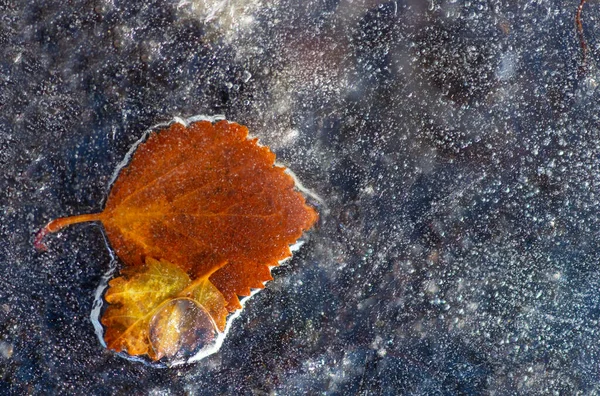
<point x="60" y="223"/>
<point x="195" y="282"/>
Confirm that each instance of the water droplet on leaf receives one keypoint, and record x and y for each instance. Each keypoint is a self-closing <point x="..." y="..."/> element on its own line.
<point x="180" y="329"/>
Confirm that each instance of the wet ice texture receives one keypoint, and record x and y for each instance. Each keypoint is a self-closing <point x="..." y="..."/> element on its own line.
<point x="454" y="143"/>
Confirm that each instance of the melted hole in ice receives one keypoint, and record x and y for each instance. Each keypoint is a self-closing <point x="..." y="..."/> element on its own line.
<point x="181" y="329"/>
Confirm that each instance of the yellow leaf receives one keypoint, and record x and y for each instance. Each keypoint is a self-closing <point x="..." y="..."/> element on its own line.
<point x="157" y="310"/>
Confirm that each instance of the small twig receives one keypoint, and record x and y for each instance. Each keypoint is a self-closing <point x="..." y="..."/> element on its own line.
<point x="582" y="43"/>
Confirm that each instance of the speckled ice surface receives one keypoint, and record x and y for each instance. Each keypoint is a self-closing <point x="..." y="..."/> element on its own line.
<point x="453" y="147"/>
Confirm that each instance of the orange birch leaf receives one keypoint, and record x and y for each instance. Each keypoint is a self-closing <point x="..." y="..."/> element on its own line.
<point x="198" y="197"/>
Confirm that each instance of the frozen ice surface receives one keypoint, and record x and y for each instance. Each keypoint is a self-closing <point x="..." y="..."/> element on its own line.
<point x="455" y="145"/>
